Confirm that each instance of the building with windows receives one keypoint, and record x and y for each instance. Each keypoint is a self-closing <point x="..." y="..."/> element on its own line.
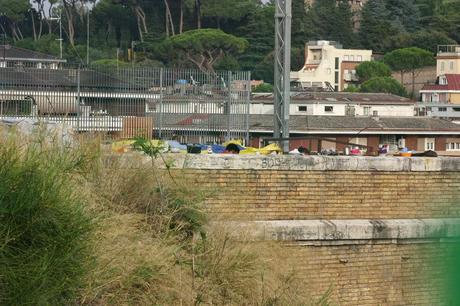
<point x="328" y="66"/>
<point x="338" y="104"/>
<point x="442" y="99"/>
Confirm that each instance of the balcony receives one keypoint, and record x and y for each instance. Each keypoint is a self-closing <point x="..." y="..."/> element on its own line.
<point x="449" y="50"/>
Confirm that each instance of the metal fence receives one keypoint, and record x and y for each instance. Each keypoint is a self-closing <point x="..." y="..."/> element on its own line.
<point x="186" y="105"/>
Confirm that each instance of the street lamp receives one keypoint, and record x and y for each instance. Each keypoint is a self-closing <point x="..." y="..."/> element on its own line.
<point x="60" y="31"/>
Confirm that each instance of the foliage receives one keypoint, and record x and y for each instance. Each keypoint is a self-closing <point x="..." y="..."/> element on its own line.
<point x="385" y="25"/>
<point x="368" y="70"/>
<point x="203" y="47"/>
<point x="327" y="16"/>
<point x="44" y="228"/>
<point x="352" y="88"/>
<point x="264" y="87"/>
<point x="408" y="59"/>
<point x="383" y="85"/>
<point x="376" y="27"/>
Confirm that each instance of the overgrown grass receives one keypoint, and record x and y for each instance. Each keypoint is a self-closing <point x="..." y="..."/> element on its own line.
<point x="79" y="230"/>
<point x="44" y="229"/>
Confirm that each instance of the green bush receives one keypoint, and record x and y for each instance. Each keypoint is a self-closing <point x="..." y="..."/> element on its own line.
<point x="264" y="88"/>
<point x="43" y="226"/>
<point x="384" y="85"/>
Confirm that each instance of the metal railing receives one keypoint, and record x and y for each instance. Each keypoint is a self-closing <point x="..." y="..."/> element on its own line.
<point x="448" y="49"/>
<point x="186" y="105"/>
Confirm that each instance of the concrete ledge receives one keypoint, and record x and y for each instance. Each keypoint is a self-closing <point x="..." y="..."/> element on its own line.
<point x="314" y="163"/>
<point x="360" y="229"/>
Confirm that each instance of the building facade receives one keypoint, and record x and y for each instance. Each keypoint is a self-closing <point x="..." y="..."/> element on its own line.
<point x="442" y="99"/>
<point x="328" y="66"/>
<point x="338" y="104"/>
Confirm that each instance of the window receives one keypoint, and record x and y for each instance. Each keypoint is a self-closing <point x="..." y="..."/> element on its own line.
<point x="359" y="58"/>
<point x="352" y="58"/>
<point x="442" y="109"/>
<point x="2" y="64"/>
<point x="453" y="146"/>
<point x="442" y="66"/>
<point x="346" y="71"/>
<point x="336" y="78"/>
<point x="346" y="58"/>
<point x="375" y="113"/>
<point x="328" y="109"/>
<point x="429" y="144"/>
<point x="456" y="109"/>
<point x="336" y="63"/>
<point x="336" y="88"/>
<point x="442" y="80"/>
<point x="451" y="65"/>
<point x="302" y="108"/>
<point x="367" y="110"/>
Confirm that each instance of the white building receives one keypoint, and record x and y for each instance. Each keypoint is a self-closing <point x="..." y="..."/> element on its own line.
<point x="338" y="104"/>
<point x="328" y="66"/>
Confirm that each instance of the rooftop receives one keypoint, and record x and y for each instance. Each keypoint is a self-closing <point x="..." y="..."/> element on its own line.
<point x="9" y="52"/>
<point x="336" y="97"/>
<point x="453" y="83"/>
<point x="303" y="123"/>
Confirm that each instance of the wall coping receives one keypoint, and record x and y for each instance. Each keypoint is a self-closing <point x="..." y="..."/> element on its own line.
<point x="314" y="163"/>
<point x="358" y="229"/>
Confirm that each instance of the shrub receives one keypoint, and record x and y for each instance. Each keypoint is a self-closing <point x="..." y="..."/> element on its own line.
<point x="384" y="85"/>
<point x="264" y="88"/>
<point x="43" y="225"/>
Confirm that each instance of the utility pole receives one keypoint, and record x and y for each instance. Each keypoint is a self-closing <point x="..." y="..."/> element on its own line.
<point x="282" y="71"/>
<point x="60" y="31"/>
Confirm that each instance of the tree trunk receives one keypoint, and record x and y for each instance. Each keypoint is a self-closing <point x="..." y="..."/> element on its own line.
<point x="40" y="29"/>
<point x="19" y="31"/>
<point x="181" y="22"/>
<point x="166" y="23"/>
<point x="33" y="25"/>
<point x="70" y="26"/>
<point x="141" y="34"/>
<point x="198" y="13"/>
<point x="402" y="78"/>
<point x="168" y="13"/>
<point x="141" y="21"/>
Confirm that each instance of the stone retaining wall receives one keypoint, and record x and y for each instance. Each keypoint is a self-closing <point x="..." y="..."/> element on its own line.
<point x="374" y="230"/>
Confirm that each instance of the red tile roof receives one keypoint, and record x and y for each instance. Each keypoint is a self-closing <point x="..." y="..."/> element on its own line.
<point x="453" y="83"/>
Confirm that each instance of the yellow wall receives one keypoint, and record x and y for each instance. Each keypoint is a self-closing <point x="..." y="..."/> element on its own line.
<point x="455" y="98"/>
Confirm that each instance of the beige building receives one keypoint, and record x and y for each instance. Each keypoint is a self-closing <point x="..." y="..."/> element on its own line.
<point x="448" y="60"/>
<point x="328" y="66"/>
<point x="442" y="99"/>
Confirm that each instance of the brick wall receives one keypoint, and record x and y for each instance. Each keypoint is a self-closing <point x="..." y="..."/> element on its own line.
<point x="277" y="194"/>
<point x="373" y="274"/>
<point x="396" y="270"/>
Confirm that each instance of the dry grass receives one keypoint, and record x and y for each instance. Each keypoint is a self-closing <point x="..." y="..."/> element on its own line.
<point x="145" y="239"/>
<point x="146" y="257"/>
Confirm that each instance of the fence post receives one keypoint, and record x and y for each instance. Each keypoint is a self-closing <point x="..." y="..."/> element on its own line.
<point x="160" y="123"/>
<point x="248" y="105"/>
<point x="229" y="104"/>
<point x="79" y="117"/>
